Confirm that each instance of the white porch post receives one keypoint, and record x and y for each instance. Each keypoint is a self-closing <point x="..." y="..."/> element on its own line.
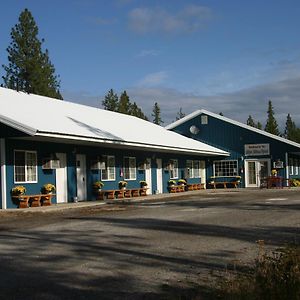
<point x="3" y="173"/>
<point x="287" y="168"/>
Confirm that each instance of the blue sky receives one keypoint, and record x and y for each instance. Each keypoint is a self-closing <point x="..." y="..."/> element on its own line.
<point x="224" y="56"/>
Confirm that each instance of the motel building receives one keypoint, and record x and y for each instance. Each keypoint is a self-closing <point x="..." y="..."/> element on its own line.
<point x="71" y="146"/>
<point x="254" y="154"/>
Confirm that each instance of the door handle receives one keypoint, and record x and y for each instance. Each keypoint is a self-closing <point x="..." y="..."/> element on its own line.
<point x="83" y="179"/>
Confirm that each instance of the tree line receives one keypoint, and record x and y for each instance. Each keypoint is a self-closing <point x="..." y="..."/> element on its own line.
<point x="291" y="131"/>
<point x="30" y="70"/>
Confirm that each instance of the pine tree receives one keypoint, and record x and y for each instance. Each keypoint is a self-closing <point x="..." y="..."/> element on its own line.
<point x="291" y="131"/>
<point x="134" y="110"/>
<point x="180" y="114"/>
<point x="111" y="101"/>
<point x="156" y="115"/>
<point x="259" y="125"/>
<point x="250" y="121"/>
<point x="271" y="125"/>
<point x="29" y="69"/>
<point x="124" y="104"/>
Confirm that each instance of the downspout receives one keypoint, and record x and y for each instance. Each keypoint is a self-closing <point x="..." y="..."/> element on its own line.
<point x="3" y="173"/>
<point x="287" y="169"/>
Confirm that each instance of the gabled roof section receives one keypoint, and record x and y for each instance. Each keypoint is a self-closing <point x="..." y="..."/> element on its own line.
<point x="217" y="116"/>
<point x="51" y="118"/>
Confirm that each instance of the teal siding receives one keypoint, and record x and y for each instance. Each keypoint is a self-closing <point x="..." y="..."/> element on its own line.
<point x="232" y="138"/>
<point x="43" y="150"/>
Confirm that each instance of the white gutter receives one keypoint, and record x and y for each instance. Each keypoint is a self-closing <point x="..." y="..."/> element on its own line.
<point x="17" y="125"/>
<point x="3" y="173"/>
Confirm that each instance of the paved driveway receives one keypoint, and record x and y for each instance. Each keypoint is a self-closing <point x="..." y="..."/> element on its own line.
<point x="143" y="250"/>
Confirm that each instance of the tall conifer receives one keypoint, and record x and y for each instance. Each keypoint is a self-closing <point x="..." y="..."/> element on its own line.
<point x="156" y="115"/>
<point x="29" y="68"/>
<point x="271" y="125"/>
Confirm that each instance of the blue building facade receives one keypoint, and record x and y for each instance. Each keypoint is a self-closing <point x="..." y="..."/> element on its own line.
<point x="253" y="152"/>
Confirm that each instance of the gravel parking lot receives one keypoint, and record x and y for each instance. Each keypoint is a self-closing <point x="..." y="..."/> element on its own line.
<point x="147" y="250"/>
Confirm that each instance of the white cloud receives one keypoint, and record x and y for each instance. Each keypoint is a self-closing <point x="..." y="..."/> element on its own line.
<point x="153" y="79"/>
<point x="190" y="18"/>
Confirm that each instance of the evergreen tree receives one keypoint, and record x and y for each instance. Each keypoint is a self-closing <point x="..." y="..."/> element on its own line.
<point x="124" y="104"/>
<point x="134" y="110"/>
<point x="271" y="125"/>
<point x="111" y="101"/>
<point x="180" y="114"/>
<point x="259" y="125"/>
<point x="291" y="131"/>
<point x="156" y="115"/>
<point x="29" y="69"/>
<point x="250" y="121"/>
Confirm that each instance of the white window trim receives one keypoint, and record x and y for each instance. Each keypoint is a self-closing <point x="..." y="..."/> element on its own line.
<point x="106" y="167"/>
<point x="291" y="166"/>
<point x="192" y="169"/>
<point x="225" y="160"/>
<point x="25" y="166"/>
<point x="129" y="157"/>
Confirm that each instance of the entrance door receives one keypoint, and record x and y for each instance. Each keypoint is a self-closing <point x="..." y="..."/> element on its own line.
<point x="81" y="176"/>
<point x="148" y="176"/>
<point x="203" y="172"/>
<point x="255" y="171"/>
<point x="159" y="177"/>
<point x="61" y="179"/>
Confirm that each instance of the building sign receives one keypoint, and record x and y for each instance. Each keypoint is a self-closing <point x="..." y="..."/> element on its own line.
<point x="257" y="149"/>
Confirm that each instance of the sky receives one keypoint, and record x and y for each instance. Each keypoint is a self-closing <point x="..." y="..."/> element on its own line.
<point x="229" y="56"/>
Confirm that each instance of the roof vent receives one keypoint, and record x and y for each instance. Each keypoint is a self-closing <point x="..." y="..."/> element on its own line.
<point x="194" y="129"/>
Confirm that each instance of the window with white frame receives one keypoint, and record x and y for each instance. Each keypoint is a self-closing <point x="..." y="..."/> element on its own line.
<point x="225" y="168"/>
<point x="25" y="166"/>
<point x="194" y="168"/>
<point x="173" y="169"/>
<point x="129" y="168"/>
<point x="109" y="173"/>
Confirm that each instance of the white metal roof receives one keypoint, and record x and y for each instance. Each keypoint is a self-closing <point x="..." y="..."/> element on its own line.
<point x="46" y="117"/>
<point x="203" y="111"/>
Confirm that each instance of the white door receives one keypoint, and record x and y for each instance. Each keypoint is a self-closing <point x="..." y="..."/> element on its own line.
<point x="255" y="171"/>
<point x="203" y="172"/>
<point x="61" y="179"/>
<point x="159" y="177"/>
<point x="148" y="176"/>
<point x="81" y="176"/>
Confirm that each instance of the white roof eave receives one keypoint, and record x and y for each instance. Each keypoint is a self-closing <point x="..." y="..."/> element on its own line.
<point x="18" y="126"/>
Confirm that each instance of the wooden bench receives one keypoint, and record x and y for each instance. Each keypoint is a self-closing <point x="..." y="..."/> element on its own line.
<point x="34" y="200"/>
<point x="176" y="188"/>
<point x="195" y="186"/>
<point x="119" y="194"/>
<point x="224" y="181"/>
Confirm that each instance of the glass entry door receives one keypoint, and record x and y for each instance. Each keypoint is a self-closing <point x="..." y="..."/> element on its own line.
<point x="255" y="171"/>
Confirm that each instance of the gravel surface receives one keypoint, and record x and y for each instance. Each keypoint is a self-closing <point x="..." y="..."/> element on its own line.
<point x="153" y="249"/>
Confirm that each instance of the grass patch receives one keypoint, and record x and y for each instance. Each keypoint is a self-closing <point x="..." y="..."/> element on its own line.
<point x="275" y="276"/>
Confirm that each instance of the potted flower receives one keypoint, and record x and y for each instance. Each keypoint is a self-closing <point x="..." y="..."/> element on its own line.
<point x="181" y="182"/>
<point x="274" y="172"/>
<point x="48" y="188"/>
<point x="18" y="190"/>
<point x="171" y="182"/>
<point x="98" y="185"/>
<point x="122" y="184"/>
<point x="143" y="183"/>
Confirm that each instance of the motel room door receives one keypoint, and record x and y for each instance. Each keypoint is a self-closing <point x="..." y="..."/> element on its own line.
<point x="159" y="176"/>
<point x="81" y="177"/>
<point x="61" y="179"/>
<point x="148" y="175"/>
<point x="255" y="171"/>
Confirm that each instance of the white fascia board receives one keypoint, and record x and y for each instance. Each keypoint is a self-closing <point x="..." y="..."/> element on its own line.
<point x="133" y="144"/>
<point x="17" y="125"/>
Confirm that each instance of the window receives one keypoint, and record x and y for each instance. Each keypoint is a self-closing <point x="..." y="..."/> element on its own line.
<point x="296" y="168"/>
<point x="204" y="120"/>
<point x="129" y="168"/>
<point x="109" y="172"/>
<point x="173" y="169"/>
<point x="194" y="168"/>
<point x="226" y="168"/>
<point x="25" y="166"/>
